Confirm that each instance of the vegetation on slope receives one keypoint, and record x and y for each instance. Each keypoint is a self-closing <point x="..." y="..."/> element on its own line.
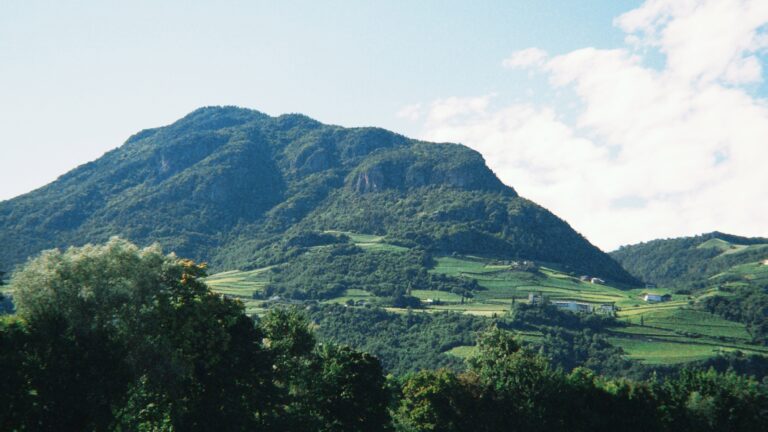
<point x="728" y="272"/>
<point x="688" y="262"/>
<point x="117" y="338"/>
<point x="661" y="334"/>
<point x="225" y="184"/>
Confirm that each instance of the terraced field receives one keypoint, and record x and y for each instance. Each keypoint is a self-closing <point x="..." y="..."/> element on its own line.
<point x="241" y="285"/>
<point x="657" y="352"/>
<point x="671" y="332"/>
<point x="354" y="295"/>
<point x="505" y="282"/>
<point x="439" y="296"/>
<point x="368" y="241"/>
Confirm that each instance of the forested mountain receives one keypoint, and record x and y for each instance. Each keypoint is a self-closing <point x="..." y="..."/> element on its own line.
<point x="236" y="187"/>
<point x="690" y="261"/>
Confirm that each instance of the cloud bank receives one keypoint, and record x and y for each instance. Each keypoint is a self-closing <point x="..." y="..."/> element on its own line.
<point x="653" y="151"/>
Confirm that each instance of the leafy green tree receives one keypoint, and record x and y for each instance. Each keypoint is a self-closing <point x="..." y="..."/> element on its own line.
<point x="517" y="382"/>
<point x="16" y="398"/>
<point x="129" y="338"/>
<point x="350" y="393"/>
<point x="436" y="401"/>
<point x="322" y="387"/>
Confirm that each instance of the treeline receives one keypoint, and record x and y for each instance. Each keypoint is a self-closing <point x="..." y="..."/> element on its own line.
<point x="116" y="338"/>
<point x="746" y="304"/>
<point x="414" y="341"/>
<point x="326" y="271"/>
<point x="681" y="263"/>
<point x="509" y="388"/>
<point x="402" y="342"/>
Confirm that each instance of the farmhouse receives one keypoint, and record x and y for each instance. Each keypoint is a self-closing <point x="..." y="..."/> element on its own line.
<point x="535" y="298"/>
<point x="657" y="298"/>
<point x="574" y="306"/>
<point x="596" y="280"/>
<point x="765" y="262"/>
<point x="607" y="308"/>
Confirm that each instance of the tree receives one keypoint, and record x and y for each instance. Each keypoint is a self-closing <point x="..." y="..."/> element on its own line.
<point x="131" y="338"/>
<point x="16" y="399"/>
<point x="519" y="385"/>
<point x="436" y="401"/>
<point x="350" y="392"/>
<point x="322" y="387"/>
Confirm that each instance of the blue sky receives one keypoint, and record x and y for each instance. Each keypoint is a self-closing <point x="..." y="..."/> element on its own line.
<point x="78" y="77"/>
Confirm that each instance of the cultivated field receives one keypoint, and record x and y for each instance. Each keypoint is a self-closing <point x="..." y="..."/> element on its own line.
<point x="655" y="333"/>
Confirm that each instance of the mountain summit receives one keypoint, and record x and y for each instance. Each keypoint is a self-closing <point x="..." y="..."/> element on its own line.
<point x="223" y="184"/>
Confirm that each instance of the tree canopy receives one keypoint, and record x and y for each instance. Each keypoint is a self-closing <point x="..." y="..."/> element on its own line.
<point x="117" y="338"/>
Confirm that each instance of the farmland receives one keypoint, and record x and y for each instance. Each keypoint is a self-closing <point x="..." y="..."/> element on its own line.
<point x="653" y="333"/>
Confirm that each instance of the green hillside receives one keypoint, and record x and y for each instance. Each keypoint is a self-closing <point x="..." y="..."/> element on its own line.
<point x="243" y="190"/>
<point x="689" y="261"/>
<point x="667" y="333"/>
<point x="287" y="210"/>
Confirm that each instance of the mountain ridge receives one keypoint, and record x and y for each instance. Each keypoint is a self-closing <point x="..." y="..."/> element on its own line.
<point x="222" y="183"/>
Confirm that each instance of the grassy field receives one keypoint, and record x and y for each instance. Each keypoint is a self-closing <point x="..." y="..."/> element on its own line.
<point x="352" y="294"/>
<point x="466" y="351"/>
<point x="505" y="282"/>
<point x="462" y="351"/>
<point x="369" y="242"/>
<point x="442" y="296"/>
<point x="239" y="283"/>
<point x="664" y="352"/>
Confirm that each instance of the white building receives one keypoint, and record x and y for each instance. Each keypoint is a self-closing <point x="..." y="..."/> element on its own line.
<point x="574" y="306"/>
<point x="607" y="308"/>
<point x="535" y="298"/>
<point x="657" y="298"/>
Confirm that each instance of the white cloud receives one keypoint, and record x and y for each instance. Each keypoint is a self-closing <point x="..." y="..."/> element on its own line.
<point x="653" y="152"/>
<point x="528" y="57"/>
<point x="452" y="107"/>
<point x="411" y="112"/>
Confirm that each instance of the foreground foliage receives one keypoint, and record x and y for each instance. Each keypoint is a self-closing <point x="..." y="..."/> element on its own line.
<point x="116" y="338"/>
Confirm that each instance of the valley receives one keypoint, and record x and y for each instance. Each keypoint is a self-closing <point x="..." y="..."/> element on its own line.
<point x="664" y="333"/>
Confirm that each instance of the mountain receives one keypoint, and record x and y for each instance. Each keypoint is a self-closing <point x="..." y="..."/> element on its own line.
<point x="690" y="261"/>
<point x="237" y="188"/>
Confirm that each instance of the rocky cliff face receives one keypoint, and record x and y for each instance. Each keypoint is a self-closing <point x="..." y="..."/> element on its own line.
<point x="442" y="165"/>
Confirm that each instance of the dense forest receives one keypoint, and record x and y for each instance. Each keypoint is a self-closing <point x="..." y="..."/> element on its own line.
<point x="687" y="262"/>
<point x="328" y="271"/>
<point x="115" y="337"/>
<point x="414" y="341"/>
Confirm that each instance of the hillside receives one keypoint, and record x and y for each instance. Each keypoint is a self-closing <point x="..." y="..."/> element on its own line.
<point x="727" y="274"/>
<point x="690" y="261"/>
<point x="243" y="190"/>
<point x="485" y="291"/>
